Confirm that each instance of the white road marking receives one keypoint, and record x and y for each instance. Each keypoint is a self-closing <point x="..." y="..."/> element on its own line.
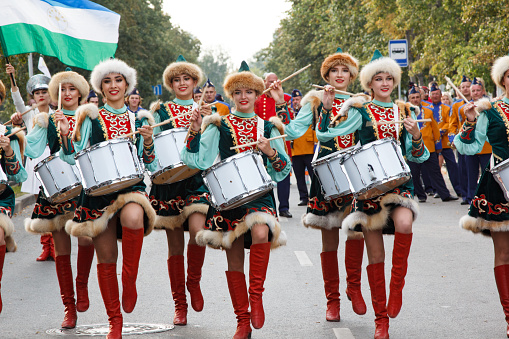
<point x="343" y="333"/>
<point x="303" y="258"/>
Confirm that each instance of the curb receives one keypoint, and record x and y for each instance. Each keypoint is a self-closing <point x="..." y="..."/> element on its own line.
<point x="23" y="201"/>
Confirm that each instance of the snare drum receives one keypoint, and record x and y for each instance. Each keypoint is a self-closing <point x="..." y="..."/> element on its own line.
<point x="237" y="180"/>
<point x="332" y="177"/>
<point x="375" y="168"/>
<point x="60" y="180"/>
<point x="170" y="168"/>
<point x="501" y="174"/>
<point x="109" y="166"/>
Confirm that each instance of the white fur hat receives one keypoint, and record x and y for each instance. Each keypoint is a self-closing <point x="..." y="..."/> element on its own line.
<point x="113" y="66"/>
<point x="500" y="66"/>
<point x="379" y="64"/>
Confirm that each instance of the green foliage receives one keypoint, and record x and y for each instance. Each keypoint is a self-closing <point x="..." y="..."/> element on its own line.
<point x="215" y="64"/>
<point x="147" y="42"/>
<point x="446" y="37"/>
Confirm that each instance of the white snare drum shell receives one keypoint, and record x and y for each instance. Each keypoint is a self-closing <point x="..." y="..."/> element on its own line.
<point x="501" y="174"/>
<point x="237" y="180"/>
<point x="333" y="180"/>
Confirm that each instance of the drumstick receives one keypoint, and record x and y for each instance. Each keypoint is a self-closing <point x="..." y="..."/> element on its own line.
<point x="289" y="77"/>
<point x="10" y="135"/>
<point x="165" y="122"/>
<point x="59" y="103"/>
<point x="25" y="112"/>
<point x="257" y="142"/>
<point x="199" y="106"/>
<point x="335" y="90"/>
<point x="458" y="91"/>
<point x="401" y="121"/>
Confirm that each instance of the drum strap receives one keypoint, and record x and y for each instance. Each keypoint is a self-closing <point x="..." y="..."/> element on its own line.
<point x="132" y="120"/>
<point x="395" y="109"/>
<point x="260" y="127"/>
<point x="492" y="161"/>
<point x="317" y="149"/>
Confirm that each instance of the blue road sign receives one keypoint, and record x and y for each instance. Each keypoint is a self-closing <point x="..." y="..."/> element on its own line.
<point x="158" y="89"/>
<point x="398" y="51"/>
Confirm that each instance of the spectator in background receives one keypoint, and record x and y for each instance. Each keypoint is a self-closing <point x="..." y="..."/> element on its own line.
<point x="266" y="108"/>
<point x="464" y="88"/>
<point x="209" y="91"/>
<point x="92" y="98"/>
<point x="447" y="99"/>
<point x="219" y="98"/>
<point x="302" y="153"/>
<point x="441" y="113"/>
<point x="482" y="158"/>
<point x="197" y="93"/>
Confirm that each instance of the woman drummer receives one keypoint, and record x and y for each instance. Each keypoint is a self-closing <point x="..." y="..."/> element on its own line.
<point x="126" y="214"/>
<point x="254" y="224"/>
<point x="183" y="205"/>
<point x="394" y="211"/>
<point x="339" y="70"/>
<point x="489" y="212"/>
<point x="37" y="88"/>
<point x="12" y="166"/>
<point x="51" y="218"/>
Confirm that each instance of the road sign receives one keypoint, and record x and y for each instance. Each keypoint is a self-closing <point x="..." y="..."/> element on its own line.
<point x="158" y="89"/>
<point x="398" y="51"/>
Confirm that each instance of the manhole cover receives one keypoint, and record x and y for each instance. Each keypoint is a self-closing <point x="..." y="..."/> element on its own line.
<point x="102" y="329"/>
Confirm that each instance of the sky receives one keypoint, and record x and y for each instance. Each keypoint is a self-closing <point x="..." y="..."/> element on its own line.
<point x="239" y="27"/>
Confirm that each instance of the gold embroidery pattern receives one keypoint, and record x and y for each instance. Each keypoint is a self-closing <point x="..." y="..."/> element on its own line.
<point x="383" y="114"/>
<point x="503" y="110"/>
<point x="114" y="124"/>
<point x="243" y="130"/>
<point x="175" y="109"/>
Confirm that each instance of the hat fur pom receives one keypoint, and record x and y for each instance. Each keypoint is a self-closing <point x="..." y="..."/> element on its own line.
<point x="182" y="67"/>
<point x="69" y="77"/>
<point x="336" y="59"/>
<point x="243" y="79"/>
<point x="381" y="65"/>
<point x="113" y="66"/>
<point x="500" y="66"/>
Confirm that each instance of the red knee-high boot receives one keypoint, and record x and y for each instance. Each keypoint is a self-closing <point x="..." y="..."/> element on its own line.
<point x="195" y="257"/>
<point x="132" y="241"/>
<point x="354" y="250"/>
<point x="402" y="243"/>
<point x="376" y="277"/>
<point x="2" y="258"/>
<point x="178" y="288"/>
<point x="258" y="262"/>
<point x="502" y="279"/>
<point x="240" y="302"/>
<point x="108" y="284"/>
<point x="48" y="248"/>
<point x="330" y="274"/>
<point x="64" y="275"/>
<point x="85" y="257"/>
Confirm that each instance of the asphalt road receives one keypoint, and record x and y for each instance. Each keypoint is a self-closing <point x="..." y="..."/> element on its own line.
<point x="450" y="290"/>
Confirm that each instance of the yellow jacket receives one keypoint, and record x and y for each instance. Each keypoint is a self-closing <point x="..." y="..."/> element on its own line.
<point x="429" y="130"/>
<point x="305" y="144"/>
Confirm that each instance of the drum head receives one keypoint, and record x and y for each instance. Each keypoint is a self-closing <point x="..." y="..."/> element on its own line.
<point x="173" y="175"/>
<point x="380" y="188"/>
<point x="65" y="195"/>
<point x="244" y="200"/>
<point x="112" y="188"/>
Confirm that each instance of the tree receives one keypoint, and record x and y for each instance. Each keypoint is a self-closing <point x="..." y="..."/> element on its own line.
<point x="147" y="42"/>
<point x="215" y="63"/>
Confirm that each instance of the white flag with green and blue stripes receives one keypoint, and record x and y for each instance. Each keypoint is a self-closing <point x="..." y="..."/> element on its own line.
<point x="79" y="33"/>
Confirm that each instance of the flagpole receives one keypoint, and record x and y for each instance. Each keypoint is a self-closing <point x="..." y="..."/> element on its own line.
<point x="12" y="76"/>
<point x="30" y="65"/>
